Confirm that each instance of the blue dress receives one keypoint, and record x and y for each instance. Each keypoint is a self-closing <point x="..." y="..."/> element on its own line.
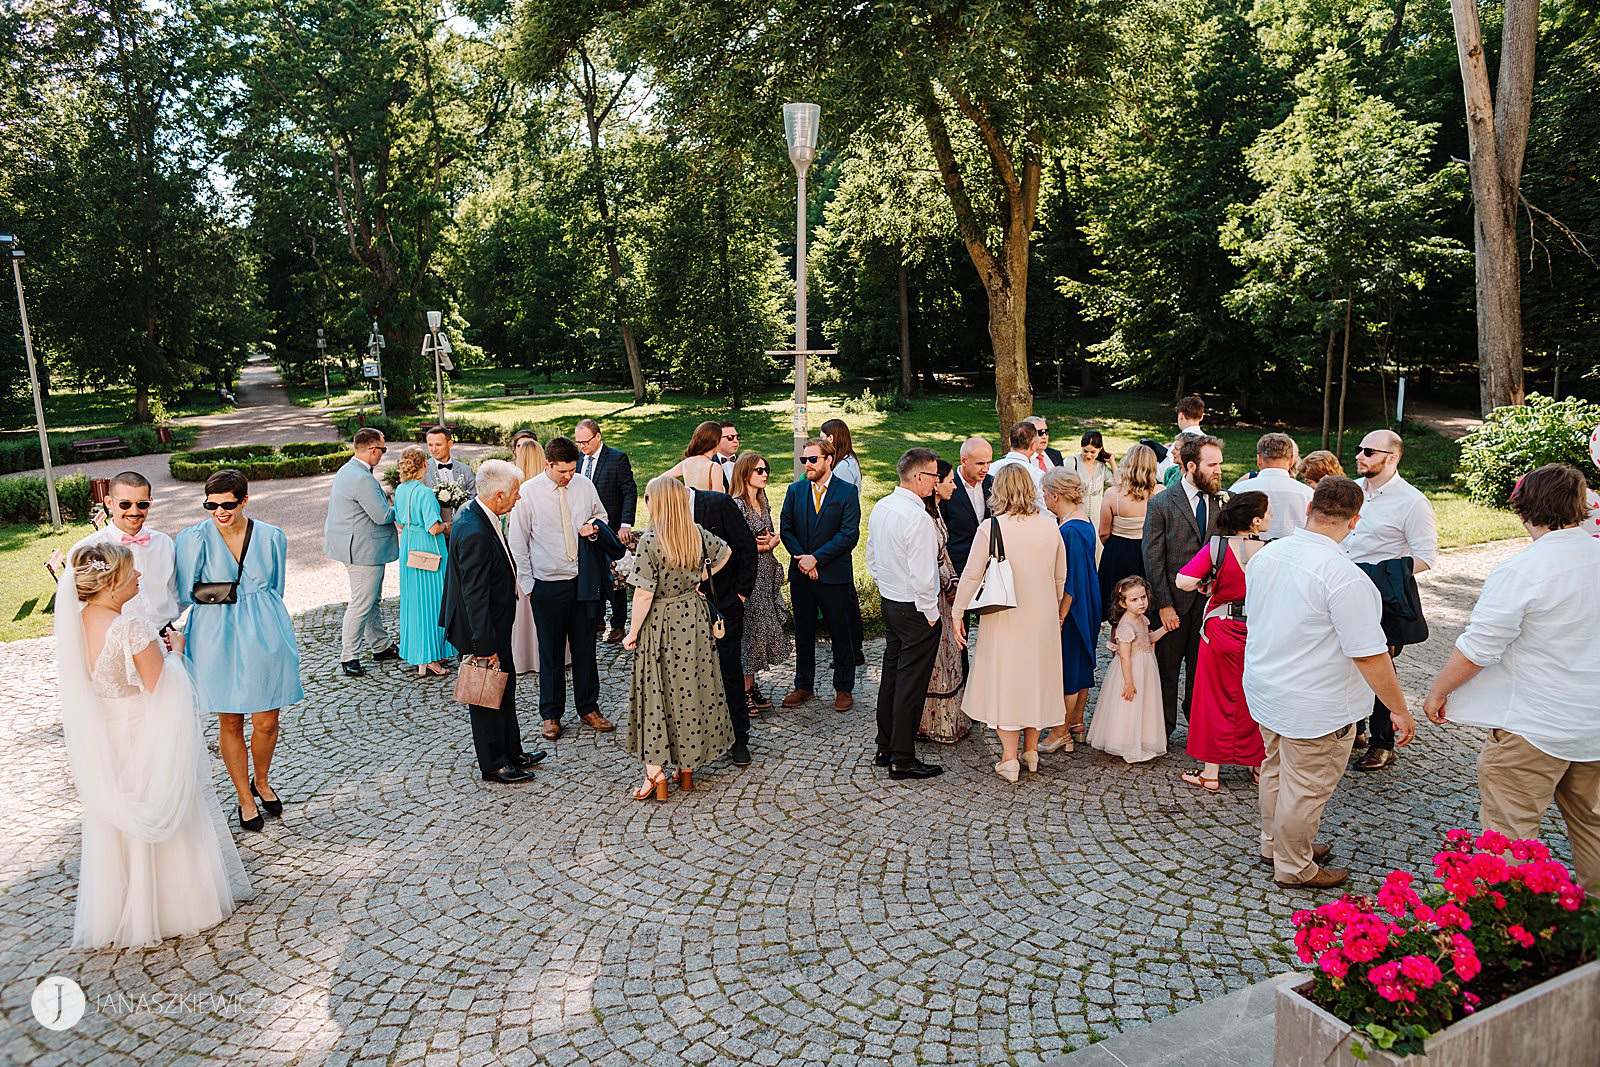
<point x="1082" y="629"/>
<point x="422" y="639"/>
<point x="243" y="655"/>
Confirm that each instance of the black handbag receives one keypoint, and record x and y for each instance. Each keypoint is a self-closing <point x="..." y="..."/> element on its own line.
<point x="719" y="625"/>
<point x="225" y="592"/>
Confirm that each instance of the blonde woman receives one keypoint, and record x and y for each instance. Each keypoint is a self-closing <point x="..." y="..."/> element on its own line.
<point x="157" y="860"/>
<point x="1121" y="520"/>
<point x="677" y="710"/>
<point x="699" y="467"/>
<point x="1015" y="687"/>
<point x="528" y="455"/>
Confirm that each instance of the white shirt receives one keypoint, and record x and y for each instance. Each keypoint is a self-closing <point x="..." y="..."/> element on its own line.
<point x="1396" y="521"/>
<point x="588" y="464"/>
<point x="1312" y="612"/>
<point x="538" y="547"/>
<point x="1011" y="459"/>
<point x="494" y="523"/>
<point x="1288" y="495"/>
<point x="1172" y="452"/>
<point x="975" y="493"/>
<point x="903" y="552"/>
<point x="157" y="564"/>
<point x="1536" y="632"/>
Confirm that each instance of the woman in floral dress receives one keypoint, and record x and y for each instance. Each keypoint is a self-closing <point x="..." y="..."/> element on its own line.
<point x="765" y="643"/>
<point x="942" y="718"/>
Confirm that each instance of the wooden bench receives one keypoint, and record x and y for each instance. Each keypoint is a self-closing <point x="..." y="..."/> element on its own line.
<point x="98" y="446"/>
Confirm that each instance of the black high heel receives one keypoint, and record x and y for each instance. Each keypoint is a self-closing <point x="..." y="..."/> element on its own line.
<point x="273" y="807"/>
<point x="252" y="824"/>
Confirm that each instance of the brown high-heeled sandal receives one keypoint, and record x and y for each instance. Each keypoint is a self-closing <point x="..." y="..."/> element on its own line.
<point x="654" y="785"/>
<point x="685" y="779"/>
<point x="1195" y="778"/>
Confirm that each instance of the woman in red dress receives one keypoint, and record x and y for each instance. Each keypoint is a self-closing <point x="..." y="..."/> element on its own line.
<point x="1220" y="727"/>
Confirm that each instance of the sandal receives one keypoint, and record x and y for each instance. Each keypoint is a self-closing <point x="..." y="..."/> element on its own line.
<point x="1255" y="775"/>
<point x="1080" y="734"/>
<point x="654" y="785"/>
<point x="1195" y="778"/>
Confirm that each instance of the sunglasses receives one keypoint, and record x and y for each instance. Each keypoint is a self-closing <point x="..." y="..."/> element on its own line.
<point x="759" y="470"/>
<point x="1370" y="452"/>
<point x="808" y="460"/>
<point x="730" y="437"/>
<point x="225" y="505"/>
<point x="142" y="505"/>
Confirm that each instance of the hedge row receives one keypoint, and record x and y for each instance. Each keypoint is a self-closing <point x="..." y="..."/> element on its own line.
<point x="469" y="430"/>
<point x="23" y="499"/>
<point x="19" y="451"/>
<point x="261" y="462"/>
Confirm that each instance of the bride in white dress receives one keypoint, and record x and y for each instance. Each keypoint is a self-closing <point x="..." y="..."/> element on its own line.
<point x="158" y="859"/>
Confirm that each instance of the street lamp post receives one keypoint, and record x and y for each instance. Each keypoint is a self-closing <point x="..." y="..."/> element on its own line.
<point x="322" y="358"/>
<point x="373" y="368"/>
<point x="437" y="345"/>
<point x="16" y="255"/>
<point x="800" y="129"/>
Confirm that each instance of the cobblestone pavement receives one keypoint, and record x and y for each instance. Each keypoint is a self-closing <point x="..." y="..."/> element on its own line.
<point x="804" y="910"/>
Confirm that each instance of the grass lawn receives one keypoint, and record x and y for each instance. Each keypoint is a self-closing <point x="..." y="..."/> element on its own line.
<point x="28" y="601"/>
<point x="460" y="385"/>
<point x="66" y="409"/>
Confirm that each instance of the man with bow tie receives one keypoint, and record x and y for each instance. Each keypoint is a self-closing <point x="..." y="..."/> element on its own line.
<point x="441" y="467"/>
<point x="128" y="505"/>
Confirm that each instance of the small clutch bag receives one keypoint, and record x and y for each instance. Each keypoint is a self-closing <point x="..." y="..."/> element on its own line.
<point x="417" y="559"/>
<point x="215" y="592"/>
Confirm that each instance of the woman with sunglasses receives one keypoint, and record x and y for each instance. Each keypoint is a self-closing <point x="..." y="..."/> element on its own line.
<point x="765" y="643"/>
<point x="239" y="641"/>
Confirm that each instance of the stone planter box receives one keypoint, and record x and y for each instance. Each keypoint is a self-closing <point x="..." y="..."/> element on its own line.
<point x="1554" y="1024"/>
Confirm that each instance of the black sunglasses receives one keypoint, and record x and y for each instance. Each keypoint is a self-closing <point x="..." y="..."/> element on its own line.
<point x="810" y="459"/>
<point x="142" y="505"/>
<point x="759" y="470"/>
<point x="1370" y="452"/>
<point x="225" y="505"/>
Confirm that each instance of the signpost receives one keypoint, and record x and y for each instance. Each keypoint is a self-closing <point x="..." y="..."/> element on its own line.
<point x="373" y="367"/>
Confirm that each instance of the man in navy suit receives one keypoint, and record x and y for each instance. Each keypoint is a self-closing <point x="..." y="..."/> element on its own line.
<point x="819" y="525"/>
<point x="968" y="506"/>
<point x="612" y="474"/>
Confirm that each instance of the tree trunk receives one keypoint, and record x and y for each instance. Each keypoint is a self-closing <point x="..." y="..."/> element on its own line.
<point x="1008" y="334"/>
<point x="1327" y="384"/>
<point x="905" y="331"/>
<point x="1497" y="137"/>
<point x="1344" y="373"/>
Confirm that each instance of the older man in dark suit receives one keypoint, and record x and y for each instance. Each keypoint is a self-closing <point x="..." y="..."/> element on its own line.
<point x="1176" y="523"/>
<point x="733" y="585"/>
<point x="820" y="525"/>
<point x="612" y="474"/>
<point x="479" y="606"/>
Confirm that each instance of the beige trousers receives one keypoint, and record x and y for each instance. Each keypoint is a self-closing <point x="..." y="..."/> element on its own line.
<point x="1517" y="781"/>
<point x="1297" y="780"/>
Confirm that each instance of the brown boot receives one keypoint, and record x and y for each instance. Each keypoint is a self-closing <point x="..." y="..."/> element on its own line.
<point x="1375" y="759"/>
<point x="843" y="702"/>
<point x="1325" y="878"/>
<point x="796" y="698"/>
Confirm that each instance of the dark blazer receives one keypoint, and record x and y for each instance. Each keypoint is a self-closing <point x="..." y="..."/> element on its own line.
<point x="717" y="514"/>
<point x="595" y="557"/>
<point x="613" y="480"/>
<point x="960" y="521"/>
<point x="1053" y="454"/>
<point x="1171" y="539"/>
<point x="830" y="535"/>
<point x="480" y="587"/>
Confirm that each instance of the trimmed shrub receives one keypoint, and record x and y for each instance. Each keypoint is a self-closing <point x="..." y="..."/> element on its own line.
<point x="261" y="462"/>
<point x="1514" y="440"/>
<point x="23" y="499"/>
<point x="393" y="428"/>
<point x="19" y="450"/>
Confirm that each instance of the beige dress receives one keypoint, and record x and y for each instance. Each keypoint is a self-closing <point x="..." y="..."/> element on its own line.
<point x="1015" y="682"/>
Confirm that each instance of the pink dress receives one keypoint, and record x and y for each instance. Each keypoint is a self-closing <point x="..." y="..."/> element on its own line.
<point x="1134" y="729"/>
<point x="1220" y="727"/>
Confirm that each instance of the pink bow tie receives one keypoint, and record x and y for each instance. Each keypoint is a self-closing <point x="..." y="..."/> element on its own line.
<point x="142" y="540"/>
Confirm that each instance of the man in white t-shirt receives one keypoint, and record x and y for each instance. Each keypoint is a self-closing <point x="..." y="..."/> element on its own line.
<point x="1191" y="412"/>
<point x="1315" y="657"/>
<point x="128" y="505"/>
<point x="1276" y="453"/>
<point x="1022" y="436"/>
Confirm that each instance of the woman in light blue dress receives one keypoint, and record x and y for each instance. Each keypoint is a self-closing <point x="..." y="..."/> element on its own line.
<point x="422" y="529"/>
<point x="243" y="655"/>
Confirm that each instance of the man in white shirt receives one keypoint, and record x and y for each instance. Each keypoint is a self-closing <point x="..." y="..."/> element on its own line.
<point x="1191" y="412"/>
<point x="128" y="505"/>
<point x="554" y="510"/>
<point x="1276" y="453"/>
<point x="1396" y="522"/>
<point x="1021" y="438"/>
<point x="1315" y="657"/>
<point x="1528" y="668"/>
<point x="903" y="558"/>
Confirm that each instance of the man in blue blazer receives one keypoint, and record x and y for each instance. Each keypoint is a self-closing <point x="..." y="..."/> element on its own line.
<point x="820" y="525"/>
<point x="612" y="474"/>
<point x="359" y="532"/>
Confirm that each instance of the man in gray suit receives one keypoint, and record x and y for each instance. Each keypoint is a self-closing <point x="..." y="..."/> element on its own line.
<point x="1176" y="523"/>
<point x="360" y="534"/>
<point x="441" y="465"/>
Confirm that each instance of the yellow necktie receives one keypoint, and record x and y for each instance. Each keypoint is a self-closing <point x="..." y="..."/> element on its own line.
<point x="568" y="534"/>
<point x="816" y="498"/>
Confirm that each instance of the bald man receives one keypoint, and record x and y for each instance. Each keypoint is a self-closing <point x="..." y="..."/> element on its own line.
<point x="1396" y="524"/>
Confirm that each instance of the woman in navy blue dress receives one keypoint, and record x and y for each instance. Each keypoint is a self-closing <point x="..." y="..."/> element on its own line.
<point x="243" y="655"/>
<point x="1080" y="624"/>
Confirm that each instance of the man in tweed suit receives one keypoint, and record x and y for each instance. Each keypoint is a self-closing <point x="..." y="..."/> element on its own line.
<point x="1176" y="523"/>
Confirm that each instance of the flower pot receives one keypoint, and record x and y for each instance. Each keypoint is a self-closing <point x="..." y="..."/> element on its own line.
<point x="1554" y="1024"/>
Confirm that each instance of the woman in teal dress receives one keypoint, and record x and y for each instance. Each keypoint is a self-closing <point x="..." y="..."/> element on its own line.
<point x="243" y="655"/>
<point x="422" y="529"/>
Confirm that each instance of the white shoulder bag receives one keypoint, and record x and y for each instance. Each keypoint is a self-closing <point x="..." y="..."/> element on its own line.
<point x="998" y="591"/>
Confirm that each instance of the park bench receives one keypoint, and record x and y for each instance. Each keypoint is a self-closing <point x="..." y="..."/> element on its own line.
<point x="98" y="446"/>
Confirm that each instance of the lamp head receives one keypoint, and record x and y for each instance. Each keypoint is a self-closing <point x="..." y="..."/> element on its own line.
<point x="434" y="319"/>
<point x="800" y="123"/>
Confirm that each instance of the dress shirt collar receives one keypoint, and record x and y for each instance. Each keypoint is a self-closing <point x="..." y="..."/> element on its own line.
<point x="1389" y="487"/>
<point x="370" y="468"/>
<point x="822" y="486"/>
<point x="1322" y="539"/>
<point x="907" y="495"/>
<point x="1191" y="490"/>
<point x="1273" y="472"/>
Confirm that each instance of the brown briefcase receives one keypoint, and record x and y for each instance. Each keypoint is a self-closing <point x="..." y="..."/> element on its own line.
<point x="479" y="684"/>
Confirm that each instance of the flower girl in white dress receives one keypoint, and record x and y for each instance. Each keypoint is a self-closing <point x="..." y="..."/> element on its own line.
<point x="158" y="860"/>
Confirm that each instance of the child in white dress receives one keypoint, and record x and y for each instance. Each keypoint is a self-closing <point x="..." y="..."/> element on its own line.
<point x="1128" y="720"/>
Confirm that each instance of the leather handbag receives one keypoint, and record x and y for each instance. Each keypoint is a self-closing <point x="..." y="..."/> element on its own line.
<point x="719" y="625"/>
<point x="225" y="592"/>
<point x="417" y="559"/>
<point x="998" y="591"/>
<point x="479" y="684"/>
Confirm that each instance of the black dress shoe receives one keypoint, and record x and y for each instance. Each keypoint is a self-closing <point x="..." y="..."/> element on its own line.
<point x="353" y="668"/>
<point x="273" y="807"/>
<point x="527" y="760"/>
<point x="861" y="658"/>
<point x="1376" y="759"/>
<point x="913" y="769"/>
<point x="252" y="824"/>
<point x="508" y="775"/>
<point x="392" y="652"/>
<point x="739" y="754"/>
<point x="881" y="759"/>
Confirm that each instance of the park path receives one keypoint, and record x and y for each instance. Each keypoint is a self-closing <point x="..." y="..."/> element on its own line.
<point x="1446" y="421"/>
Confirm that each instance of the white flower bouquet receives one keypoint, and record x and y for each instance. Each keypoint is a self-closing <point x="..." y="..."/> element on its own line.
<point x="450" y="494"/>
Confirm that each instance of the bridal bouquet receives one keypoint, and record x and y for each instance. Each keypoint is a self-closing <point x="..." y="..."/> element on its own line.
<point x="451" y="494"/>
